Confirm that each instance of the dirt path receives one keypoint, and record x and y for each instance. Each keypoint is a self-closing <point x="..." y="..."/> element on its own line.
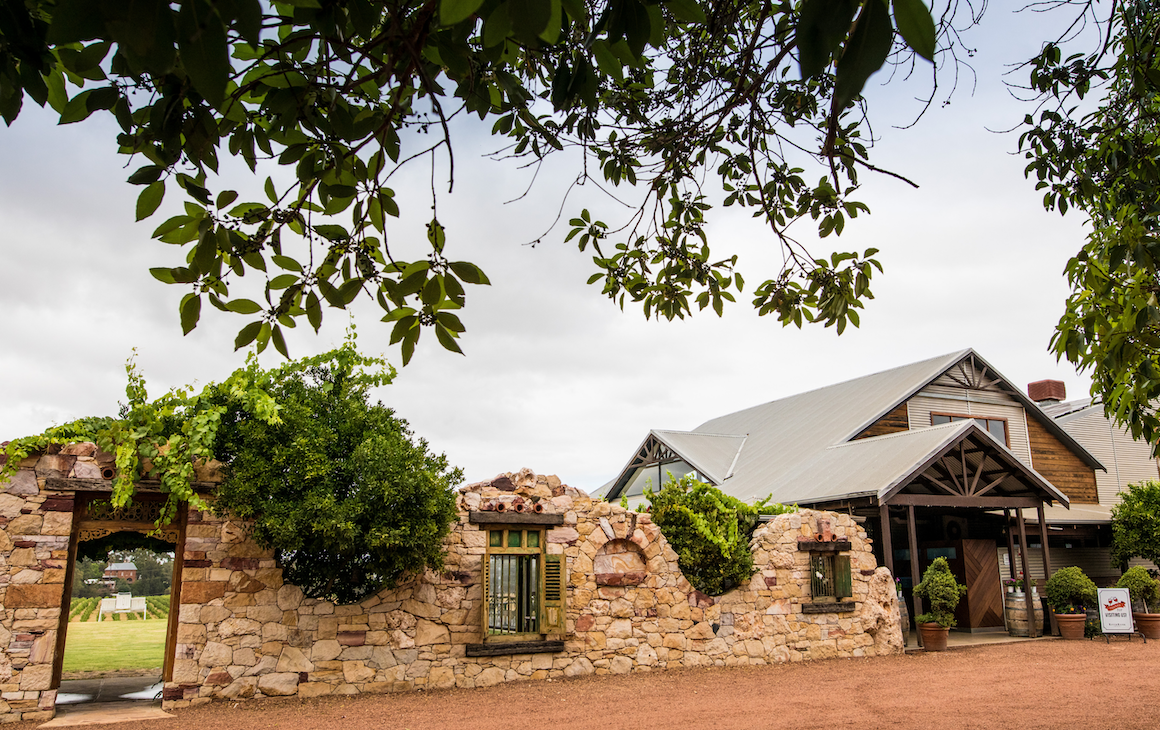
<point x="1055" y="684"/>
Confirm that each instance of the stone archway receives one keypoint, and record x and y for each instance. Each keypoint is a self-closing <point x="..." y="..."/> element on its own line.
<point x="94" y="519"/>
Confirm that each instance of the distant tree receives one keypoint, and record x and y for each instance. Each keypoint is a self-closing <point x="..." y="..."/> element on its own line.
<point x="1136" y="524"/>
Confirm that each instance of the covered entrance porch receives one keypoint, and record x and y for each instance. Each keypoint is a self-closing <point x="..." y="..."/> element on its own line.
<point x="963" y="497"/>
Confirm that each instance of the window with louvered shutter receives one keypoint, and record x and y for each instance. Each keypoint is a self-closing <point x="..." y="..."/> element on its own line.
<point x="524" y="588"/>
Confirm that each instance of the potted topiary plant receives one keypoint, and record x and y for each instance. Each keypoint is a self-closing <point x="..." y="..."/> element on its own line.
<point x="1145" y="592"/>
<point x="943" y="592"/>
<point x="1069" y="592"/>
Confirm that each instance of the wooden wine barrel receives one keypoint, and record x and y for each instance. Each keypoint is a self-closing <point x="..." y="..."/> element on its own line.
<point x="1015" y="607"/>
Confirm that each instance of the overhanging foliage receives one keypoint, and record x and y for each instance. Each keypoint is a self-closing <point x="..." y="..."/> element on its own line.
<point x="658" y="94"/>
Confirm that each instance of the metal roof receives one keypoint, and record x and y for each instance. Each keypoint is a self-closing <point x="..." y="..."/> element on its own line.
<point x="713" y="455"/>
<point x="790" y="449"/>
<point x="122" y="566"/>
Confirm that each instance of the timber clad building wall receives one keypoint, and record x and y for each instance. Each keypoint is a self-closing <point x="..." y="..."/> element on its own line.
<point x="1061" y="466"/>
<point x="243" y="632"/>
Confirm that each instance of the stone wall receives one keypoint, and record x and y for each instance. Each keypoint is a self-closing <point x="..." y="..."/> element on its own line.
<point x="244" y="633"/>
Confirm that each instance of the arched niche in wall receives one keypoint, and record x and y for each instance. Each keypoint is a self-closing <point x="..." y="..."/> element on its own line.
<point x="619" y="563"/>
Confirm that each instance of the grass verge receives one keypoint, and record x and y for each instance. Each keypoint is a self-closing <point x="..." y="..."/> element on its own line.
<point x="105" y="646"/>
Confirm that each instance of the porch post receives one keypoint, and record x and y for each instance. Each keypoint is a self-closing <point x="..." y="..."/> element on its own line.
<point x="1046" y="551"/>
<point x="1010" y="543"/>
<point x="887" y="550"/>
<point x="913" y="556"/>
<point x="1046" y="565"/>
<point x="1032" y="629"/>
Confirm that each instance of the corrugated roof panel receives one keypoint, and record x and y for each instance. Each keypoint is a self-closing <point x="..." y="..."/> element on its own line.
<point x="710" y="454"/>
<point x="788" y="433"/>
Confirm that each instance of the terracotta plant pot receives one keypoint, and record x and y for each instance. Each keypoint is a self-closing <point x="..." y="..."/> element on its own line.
<point x="934" y="637"/>
<point x="1148" y="624"/>
<point x="1071" y="625"/>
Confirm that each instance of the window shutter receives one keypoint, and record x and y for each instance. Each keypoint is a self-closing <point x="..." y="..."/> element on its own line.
<point x="842" y="581"/>
<point x="552" y="609"/>
<point x="485" y="578"/>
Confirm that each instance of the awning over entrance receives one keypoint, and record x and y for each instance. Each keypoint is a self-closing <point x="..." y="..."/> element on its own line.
<point x="953" y="466"/>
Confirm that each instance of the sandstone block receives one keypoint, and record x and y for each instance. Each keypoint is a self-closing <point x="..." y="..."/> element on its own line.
<point x="186" y="671"/>
<point x="289" y="597"/>
<point x="216" y="654"/>
<point x="357" y="671"/>
<point x="278" y="684"/>
<point x="36" y="677"/>
<point x="238" y="627"/>
<point x="202" y="592"/>
<point x="490" y="676"/>
<point x="293" y="660"/>
<point x="22" y="482"/>
<point x="315" y="689"/>
<point x="427" y="633"/>
<point x="441" y="677"/>
<point x="242" y="687"/>
<point x="33" y="595"/>
<point x="579" y="667"/>
<point x="325" y="650"/>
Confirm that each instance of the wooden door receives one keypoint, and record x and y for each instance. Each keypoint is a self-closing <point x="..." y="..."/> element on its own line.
<point x="984" y="591"/>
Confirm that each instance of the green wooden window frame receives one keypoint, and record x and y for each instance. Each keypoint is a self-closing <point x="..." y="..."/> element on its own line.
<point x="830" y="578"/>
<point x="523" y="585"/>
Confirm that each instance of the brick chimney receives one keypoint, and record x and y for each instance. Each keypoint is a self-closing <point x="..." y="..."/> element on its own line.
<point x="1047" y="391"/>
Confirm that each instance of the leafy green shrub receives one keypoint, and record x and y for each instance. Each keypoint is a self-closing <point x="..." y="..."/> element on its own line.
<point x="349" y="501"/>
<point x="1070" y="591"/>
<point x="1136" y="524"/>
<point x="942" y="591"/>
<point x="709" y="531"/>
<point x="1142" y="587"/>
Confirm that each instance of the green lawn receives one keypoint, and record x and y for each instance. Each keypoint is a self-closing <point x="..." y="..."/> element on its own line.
<point x="97" y="647"/>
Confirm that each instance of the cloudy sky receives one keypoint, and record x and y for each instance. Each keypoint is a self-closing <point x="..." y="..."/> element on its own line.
<point x="557" y="378"/>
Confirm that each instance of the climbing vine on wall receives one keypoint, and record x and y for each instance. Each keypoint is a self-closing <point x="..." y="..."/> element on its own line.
<point x="709" y="530"/>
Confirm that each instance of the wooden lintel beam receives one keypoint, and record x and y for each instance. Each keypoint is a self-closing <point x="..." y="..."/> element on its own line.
<point x="938" y="500"/>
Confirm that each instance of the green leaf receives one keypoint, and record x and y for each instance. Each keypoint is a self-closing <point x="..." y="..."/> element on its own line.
<point x="205" y="252"/>
<point x="823" y="25"/>
<point x="469" y="272"/>
<point x="607" y="60"/>
<point x="529" y="18"/>
<point x="916" y="26"/>
<point x="202" y="41"/>
<point x="225" y="197"/>
<point x="75" y="20"/>
<point x="447" y="340"/>
<point x="452" y="12"/>
<point x="688" y="11"/>
<point x="162" y="274"/>
<point x="279" y="341"/>
<point x="283" y="280"/>
<point x="149" y="200"/>
<point x="243" y="306"/>
<point x="247" y="334"/>
<point x="865" y="52"/>
<point x="190" y="310"/>
<point x="313" y="311"/>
